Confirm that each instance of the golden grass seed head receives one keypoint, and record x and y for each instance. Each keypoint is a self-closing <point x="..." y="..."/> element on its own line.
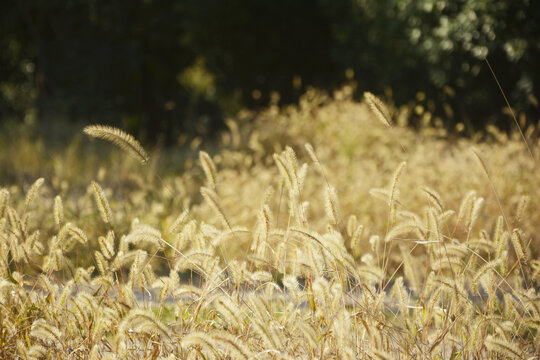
<point x="165" y="289"/>
<point x="292" y="160"/>
<point x="434" y="198"/>
<point x="199" y="339"/>
<point x="535" y="264"/>
<point x="44" y="331"/>
<point x="465" y="208"/>
<point x="312" y="155"/>
<point x="374" y="241"/>
<point x="38" y="352"/>
<point x="503" y="347"/>
<point x="106" y="281"/>
<point x="378" y="109"/>
<point x="77" y="233"/>
<point x="215" y="203"/>
<point x="480" y="244"/>
<point x="33" y="191"/>
<point x="144" y="234"/>
<point x="291" y="163"/>
<point x="433" y="226"/>
<point x="380" y="194"/>
<point x="402" y="228"/>
<point x="380" y="354"/>
<point x="399" y="293"/>
<point x="102" y="203"/>
<point x="447" y="263"/>
<point x="58" y="211"/>
<point x="106" y="245"/>
<point x="475" y="212"/>
<point x="302" y="172"/>
<point x="343" y="334"/>
<point x="4" y="201"/>
<point x="268" y="333"/>
<point x="351" y="225"/>
<point x="267" y="197"/>
<point x="309" y="333"/>
<point x="356" y="240"/>
<point x="480" y="160"/>
<point x="175" y="280"/>
<point x="179" y="222"/>
<point x="141" y="320"/>
<point x="232" y="344"/>
<point x="119" y="138"/>
<point x="285" y="172"/>
<point x="453" y="249"/>
<point x="101" y="263"/>
<point x="14" y="220"/>
<point x="16" y="250"/>
<point x="64" y="296"/>
<point x="445" y="216"/>
<point x="332" y="205"/>
<point x="95" y="353"/>
<point x="486" y="268"/>
<point x="521" y="208"/>
<point x="261" y="277"/>
<point x="230" y="311"/>
<point x="209" y="169"/>
<point x="265" y="218"/>
<point x="370" y="274"/>
<point x="519" y="248"/>
<point x="396" y="178"/>
<point x="50" y="263"/>
<point x="291" y="283"/>
<point x="22" y="350"/>
<point x="123" y="244"/>
<point x="139" y="258"/>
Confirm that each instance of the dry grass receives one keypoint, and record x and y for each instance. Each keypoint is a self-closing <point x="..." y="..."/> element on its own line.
<point x="335" y="250"/>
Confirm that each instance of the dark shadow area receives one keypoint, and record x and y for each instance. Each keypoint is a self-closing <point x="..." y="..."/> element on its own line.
<point x="161" y="68"/>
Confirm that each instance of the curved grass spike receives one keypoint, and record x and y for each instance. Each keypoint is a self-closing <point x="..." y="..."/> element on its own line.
<point x="332" y="205"/>
<point x="215" y="203"/>
<point x="58" y="211"/>
<point x="33" y="191"/>
<point x="4" y="200"/>
<point x="119" y="138"/>
<point x="102" y="203"/>
<point x="378" y="108"/>
<point x="209" y="168"/>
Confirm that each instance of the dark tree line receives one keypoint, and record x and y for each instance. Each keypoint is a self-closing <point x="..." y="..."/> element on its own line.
<point x="164" y="66"/>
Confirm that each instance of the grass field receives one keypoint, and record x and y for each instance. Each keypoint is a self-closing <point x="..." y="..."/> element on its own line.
<point x="325" y="230"/>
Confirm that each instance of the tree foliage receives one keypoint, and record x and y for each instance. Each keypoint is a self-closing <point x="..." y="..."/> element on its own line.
<point x="164" y="66"/>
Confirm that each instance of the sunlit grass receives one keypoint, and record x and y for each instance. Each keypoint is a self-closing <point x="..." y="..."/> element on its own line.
<point x="374" y="241"/>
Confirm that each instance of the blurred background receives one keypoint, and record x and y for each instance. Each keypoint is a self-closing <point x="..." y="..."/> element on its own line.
<point x="169" y="70"/>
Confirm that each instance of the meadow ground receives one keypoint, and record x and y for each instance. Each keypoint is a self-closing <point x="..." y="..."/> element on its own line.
<point x="324" y="230"/>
